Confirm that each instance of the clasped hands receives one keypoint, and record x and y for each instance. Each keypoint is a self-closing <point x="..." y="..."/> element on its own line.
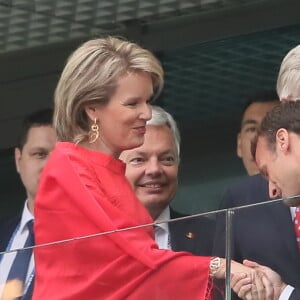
<point x="251" y="281"/>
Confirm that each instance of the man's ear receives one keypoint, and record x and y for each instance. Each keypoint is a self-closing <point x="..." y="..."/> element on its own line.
<point x="18" y="155"/>
<point x="282" y="140"/>
<point x="238" y="146"/>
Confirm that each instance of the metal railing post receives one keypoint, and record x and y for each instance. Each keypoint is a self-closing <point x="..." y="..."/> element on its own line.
<point x="228" y="234"/>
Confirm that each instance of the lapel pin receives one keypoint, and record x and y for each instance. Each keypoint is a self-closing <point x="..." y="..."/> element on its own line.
<point x="190" y="235"/>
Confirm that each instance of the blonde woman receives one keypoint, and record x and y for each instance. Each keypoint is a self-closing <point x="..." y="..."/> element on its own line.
<point x="102" y="104"/>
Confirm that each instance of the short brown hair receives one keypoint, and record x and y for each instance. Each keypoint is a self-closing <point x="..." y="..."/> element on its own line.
<point x="284" y="115"/>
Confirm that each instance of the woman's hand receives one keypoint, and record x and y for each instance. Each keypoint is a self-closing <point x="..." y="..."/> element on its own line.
<point x="235" y="268"/>
<point x="248" y="281"/>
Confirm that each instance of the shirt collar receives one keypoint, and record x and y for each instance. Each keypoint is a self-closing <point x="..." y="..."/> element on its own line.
<point x="293" y="212"/>
<point x="26" y="216"/>
<point x="164" y="216"/>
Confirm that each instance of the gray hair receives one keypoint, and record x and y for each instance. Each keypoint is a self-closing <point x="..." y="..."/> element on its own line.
<point x="288" y="81"/>
<point x="161" y="117"/>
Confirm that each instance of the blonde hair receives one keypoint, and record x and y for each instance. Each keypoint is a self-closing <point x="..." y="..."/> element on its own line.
<point x="90" y="78"/>
<point x="288" y="81"/>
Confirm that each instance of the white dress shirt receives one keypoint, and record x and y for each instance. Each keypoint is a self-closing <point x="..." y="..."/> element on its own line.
<point x="162" y="234"/>
<point x="17" y="241"/>
<point x="286" y="293"/>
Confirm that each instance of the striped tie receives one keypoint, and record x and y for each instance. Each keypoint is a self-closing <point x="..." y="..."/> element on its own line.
<point x="18" y="272"/>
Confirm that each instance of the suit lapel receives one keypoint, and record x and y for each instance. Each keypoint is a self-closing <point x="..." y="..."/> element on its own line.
<point x="181" y="237"/>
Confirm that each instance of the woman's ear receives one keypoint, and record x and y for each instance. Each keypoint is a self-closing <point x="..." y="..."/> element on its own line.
<point x="90" y="112"/>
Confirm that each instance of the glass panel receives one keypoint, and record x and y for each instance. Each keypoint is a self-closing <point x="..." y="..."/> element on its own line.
<point x="241" y="233"/>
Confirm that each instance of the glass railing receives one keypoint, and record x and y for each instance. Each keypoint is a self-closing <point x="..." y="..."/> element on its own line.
<point x="260" y="232"/>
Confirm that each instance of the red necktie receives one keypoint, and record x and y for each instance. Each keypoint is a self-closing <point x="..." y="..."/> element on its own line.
<point x="297" y="225"/>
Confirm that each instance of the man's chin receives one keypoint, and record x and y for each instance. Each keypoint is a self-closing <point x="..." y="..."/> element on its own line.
<point x="153" y="199"/>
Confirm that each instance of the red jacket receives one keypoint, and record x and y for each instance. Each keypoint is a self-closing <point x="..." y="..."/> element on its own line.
<point x="85" y="192"/>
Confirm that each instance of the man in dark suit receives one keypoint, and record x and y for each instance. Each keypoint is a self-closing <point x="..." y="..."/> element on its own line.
<point x="152" y="170"/>
<point x="254" y="111"/>
<point x="36" y="142"/>
<point x="250" y="189"/>
<point x="276" y="152"/>
<point x="264" y="234"/>
<point x="281" y="254"/>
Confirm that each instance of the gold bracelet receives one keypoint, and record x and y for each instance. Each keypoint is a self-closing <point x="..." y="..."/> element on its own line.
<point x="214" y="266"/>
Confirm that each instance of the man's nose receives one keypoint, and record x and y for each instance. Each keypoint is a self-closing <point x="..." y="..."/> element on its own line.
<point x="153" y="167"/>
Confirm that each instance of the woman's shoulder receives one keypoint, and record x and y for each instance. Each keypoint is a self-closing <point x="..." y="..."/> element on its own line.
<point x="68" y="152"/>
<point x="66" y="158"/>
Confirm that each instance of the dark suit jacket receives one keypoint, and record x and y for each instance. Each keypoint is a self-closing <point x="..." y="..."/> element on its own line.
<point x="7" y="227"/>
<point x="194" y="235"/>
<point x="264" y="234"/>
<point x="295" y="294"/>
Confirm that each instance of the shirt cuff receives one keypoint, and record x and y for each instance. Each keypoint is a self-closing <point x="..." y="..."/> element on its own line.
<point x="286" y="293"/>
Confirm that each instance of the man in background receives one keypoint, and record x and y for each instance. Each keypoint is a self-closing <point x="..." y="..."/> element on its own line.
<point x="152" y="170"/>
<point x="36" y="142"/>
<point x="252" y="115"/>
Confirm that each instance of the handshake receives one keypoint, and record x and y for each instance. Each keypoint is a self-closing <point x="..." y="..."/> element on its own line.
<point x="251" y="281"/>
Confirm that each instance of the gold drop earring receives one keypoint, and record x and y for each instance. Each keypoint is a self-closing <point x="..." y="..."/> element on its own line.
<point x="94" y="132"/>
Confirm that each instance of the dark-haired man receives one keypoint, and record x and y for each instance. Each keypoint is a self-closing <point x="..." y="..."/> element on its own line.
<point x="256" y="233"/>
<point x="253" y="113"/>
<point x="36" y="142"/>
<point x="276" y="152"/>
